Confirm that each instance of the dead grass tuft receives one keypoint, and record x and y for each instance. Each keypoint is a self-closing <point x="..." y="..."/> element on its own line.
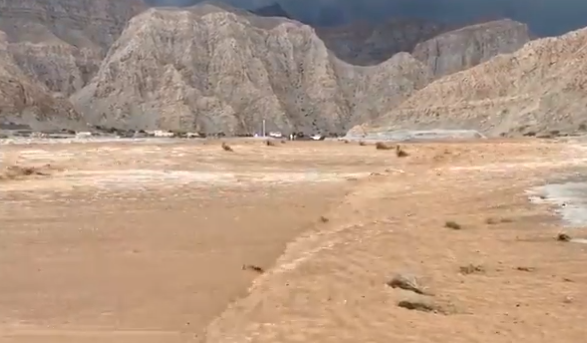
<point x="453" y="225"/>
<point x="494" y="221"/>
<point x="270" y="143"/>
<point x="253" y="268"/>
<point x="361" y="143"/>
<point x="15" y="172"/>
<point x="384" y="146"/>
<point x="226" y="147"/>
<point x="421" y="305"/>
<point x="471" y="269"/>
<point x="324" y="219"/>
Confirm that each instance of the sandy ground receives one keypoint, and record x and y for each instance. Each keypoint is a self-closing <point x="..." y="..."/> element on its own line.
<point x="127" y="242"/>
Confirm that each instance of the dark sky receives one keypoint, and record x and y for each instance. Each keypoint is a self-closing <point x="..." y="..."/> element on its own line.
<point x="545" y="17"/>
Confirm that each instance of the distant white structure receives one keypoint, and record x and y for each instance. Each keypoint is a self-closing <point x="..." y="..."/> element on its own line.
<point x="275" y="134"/>
<point x="83" y="134"/>
<point x="160" y="133"/>
<point x="316" y="137"/>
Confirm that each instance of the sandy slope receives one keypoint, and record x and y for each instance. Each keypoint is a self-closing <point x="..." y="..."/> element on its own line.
<point x="330" y="285"/>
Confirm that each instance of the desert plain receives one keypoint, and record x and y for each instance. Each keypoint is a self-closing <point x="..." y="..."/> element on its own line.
<point x="184" y="241"/>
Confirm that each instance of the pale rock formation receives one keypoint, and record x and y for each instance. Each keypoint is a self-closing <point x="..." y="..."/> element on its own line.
<point x="23" y="101"/>
<point x="61" y="43"/>
<point x="539" y="88"/>
<point x="213" y="69"/>
<point x="469" y="46"/>
<point x="364" y="43"/>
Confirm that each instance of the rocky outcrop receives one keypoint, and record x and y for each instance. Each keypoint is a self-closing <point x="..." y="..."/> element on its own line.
<point x="469" y="46"/>
<point x="364" y="43"/>
<point x="210" y="69"/>
<point x="62" y="68"/>
<point x="23" y="101"/>
<point x="60" y="43"/>
<point x="539" y="88"/>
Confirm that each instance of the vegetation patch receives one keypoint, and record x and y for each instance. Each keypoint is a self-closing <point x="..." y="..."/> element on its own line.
<point x="453" y="225"/>
<point x="471" y="269"/>
<point x="226" y="147"/>
<point x="384" y="146"/>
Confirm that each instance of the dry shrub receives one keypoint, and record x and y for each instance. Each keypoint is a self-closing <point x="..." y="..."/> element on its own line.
<point x="253" y="268"/>
<point x="270" y="142"/>
<point x="383" y="146"/>
<point x="471" y="269"/>
<point x="18" y="172"/>
<point x="419" y="305"/>
<point x="453" y="225"/>
<point x="422" y="303"/>
<point x="491" y="221"/>
<point x="563" y="237"/>
<point x="494" y="221"/>
<point x="361" y="143"/>
<point x="323" y="219"/>
<point x="399" y="152"/>
<point x="226" y="147"/>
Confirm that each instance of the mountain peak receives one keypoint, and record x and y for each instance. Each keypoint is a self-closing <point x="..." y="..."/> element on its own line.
<point x="273" y="10"/>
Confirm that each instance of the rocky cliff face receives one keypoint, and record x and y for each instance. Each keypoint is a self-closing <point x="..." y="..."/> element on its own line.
<point x="60" y="43"/>
<point x="23" y="101"/>
<point x="363" y="43"/>
<point x="539" y="88"/>
<point x="62" y="68"/>
<point x="209" y="69"/>
<point x="467" y="47"/>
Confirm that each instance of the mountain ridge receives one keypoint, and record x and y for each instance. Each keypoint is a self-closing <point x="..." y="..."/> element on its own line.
<point x="537" y="89"/>
<point x="214" y="68"/>
<point x="251" y="64"/>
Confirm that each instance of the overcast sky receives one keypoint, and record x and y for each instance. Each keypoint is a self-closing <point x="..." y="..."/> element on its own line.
<point x="545" y="17"/>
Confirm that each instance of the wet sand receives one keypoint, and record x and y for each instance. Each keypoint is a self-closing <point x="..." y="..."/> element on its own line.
<point x="145" y="243"/>
<point x="125" y="242"/>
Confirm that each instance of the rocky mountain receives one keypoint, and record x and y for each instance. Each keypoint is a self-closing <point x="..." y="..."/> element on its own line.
<point x="213" y="68"/>
<point x="23" y="101"/>
<point x="365" y="43"/>
<point x="206" y="68"/>
<point x="539" y="88"/>
<point x="469" y="46"/>
<point x="61" y="43"/>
